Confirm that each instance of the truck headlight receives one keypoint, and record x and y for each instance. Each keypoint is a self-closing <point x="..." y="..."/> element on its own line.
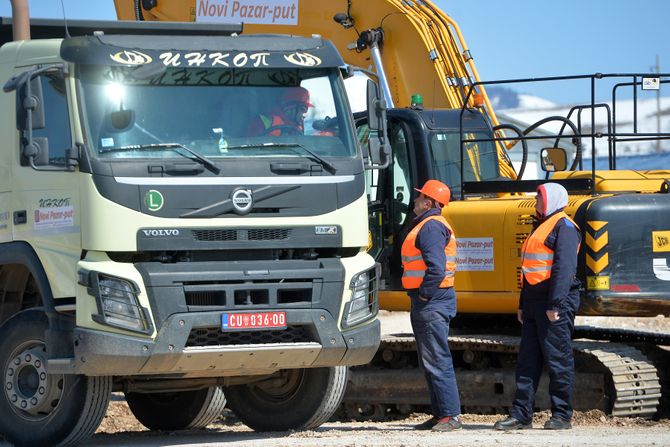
<point x="118" y="304"/>
<point x="363" y="305"/>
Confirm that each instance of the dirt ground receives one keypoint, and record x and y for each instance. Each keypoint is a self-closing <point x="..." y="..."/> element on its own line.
<point x="120" y="427"/>
<point x="590" y="428"/>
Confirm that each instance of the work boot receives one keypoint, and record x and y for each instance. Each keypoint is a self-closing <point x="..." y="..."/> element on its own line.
<point x="511" y="423"/>
<point x="449" y="423"/>
<point x="556" y="423"/>
<point x="427" y="425"/>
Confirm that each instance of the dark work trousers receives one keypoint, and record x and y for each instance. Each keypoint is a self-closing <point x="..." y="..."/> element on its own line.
<point x="544" y="343"/>
<point x="430" y="322"/>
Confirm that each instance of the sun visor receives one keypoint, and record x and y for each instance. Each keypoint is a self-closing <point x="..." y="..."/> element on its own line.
<point x="252" y="51"/>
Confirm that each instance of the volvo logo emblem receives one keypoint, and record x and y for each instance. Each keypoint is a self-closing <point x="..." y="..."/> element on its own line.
<point x="242" y="201"/>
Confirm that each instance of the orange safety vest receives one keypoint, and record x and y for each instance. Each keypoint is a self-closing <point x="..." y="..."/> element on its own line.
<point x="271" y="122"/>
<point x="414" y="269"/>
<point x="537" y="258"/>
<point x="276" y="120"/>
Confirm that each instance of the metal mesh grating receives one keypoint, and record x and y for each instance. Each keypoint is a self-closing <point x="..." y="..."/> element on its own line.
<point x="268" y="234"/>
<point x="205" y="298"/>
<point x="215" y="235"/>
<point x="214" y="336"/>
<point x="255" y="234"/>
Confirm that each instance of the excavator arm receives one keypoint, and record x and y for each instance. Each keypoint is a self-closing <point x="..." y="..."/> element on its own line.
<point x="411" y="46"/>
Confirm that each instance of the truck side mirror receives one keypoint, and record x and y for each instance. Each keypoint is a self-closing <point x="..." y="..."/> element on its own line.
<point x="37" y="151"/>
<point x="379" y="148"/>
<point x="553" y="159"/>
<point x="376" y="106"/>
<point x="30" y="101"/>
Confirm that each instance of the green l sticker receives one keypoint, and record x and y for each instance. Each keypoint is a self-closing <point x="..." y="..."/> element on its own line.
<point x="154" y="200"/>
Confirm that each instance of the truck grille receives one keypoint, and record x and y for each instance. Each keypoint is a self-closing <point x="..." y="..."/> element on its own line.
<point x="236" y="294"/>
<point x="251" y="234"/>
<point x="214" y="336"/>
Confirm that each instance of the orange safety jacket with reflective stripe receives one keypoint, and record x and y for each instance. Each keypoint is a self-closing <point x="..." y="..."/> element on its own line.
<point x="268" y="122"/>
<point x="276" y="120"/>
<point x="414" y="268"/>
<point x="536" y="258"/>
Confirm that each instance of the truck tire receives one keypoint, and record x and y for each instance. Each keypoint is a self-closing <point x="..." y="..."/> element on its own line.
<point x="37" y="408"/>
<point x="299" y="399"/>
<point x="178" y="410"/>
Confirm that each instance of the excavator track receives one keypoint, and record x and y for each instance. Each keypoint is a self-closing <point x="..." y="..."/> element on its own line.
<point x="636" y="388"/>
<point x="613" y="377"/>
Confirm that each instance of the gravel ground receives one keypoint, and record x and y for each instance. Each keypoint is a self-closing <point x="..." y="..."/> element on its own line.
<point x="590" y="428"/>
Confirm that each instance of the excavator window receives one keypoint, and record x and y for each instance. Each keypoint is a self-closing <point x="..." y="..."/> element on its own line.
<point x="401" y="175"/>
<point x="480" y="158"/>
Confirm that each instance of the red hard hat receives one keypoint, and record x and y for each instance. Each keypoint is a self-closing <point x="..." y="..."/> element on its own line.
<point x="436" y="190"/>
<point x="297" y="94"/>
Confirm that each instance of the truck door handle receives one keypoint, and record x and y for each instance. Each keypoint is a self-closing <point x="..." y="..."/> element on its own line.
<point x="20" y="217"/>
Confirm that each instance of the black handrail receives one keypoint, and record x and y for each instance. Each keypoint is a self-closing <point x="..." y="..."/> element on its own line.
<point x="611" y="134"/>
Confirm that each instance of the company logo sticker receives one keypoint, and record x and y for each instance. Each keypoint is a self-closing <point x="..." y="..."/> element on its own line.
<point x="154" y="200"/>
<point x="131" y="57"/>
<point x="303" y="59"/>
<point x="660" y="241"/>
<point x="53" y="217"/>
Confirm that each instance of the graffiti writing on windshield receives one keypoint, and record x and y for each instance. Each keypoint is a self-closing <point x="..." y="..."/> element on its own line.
<point x="192" y="76"/>
<point x="186" y="76"/>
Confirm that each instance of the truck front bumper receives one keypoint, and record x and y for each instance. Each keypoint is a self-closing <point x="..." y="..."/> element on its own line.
<point x="193" y="345"/>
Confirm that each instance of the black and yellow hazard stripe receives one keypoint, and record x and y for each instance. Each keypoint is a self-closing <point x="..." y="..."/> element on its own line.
<point x="597" y="258"/>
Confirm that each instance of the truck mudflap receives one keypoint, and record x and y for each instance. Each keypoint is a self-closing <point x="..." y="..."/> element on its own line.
<point x="625" y="255"/>
<point x="195" y="345"/>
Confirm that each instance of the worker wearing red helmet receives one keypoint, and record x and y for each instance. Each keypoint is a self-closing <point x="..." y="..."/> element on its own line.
<point x="287" y="118"/>
<point x="429" y="266"/>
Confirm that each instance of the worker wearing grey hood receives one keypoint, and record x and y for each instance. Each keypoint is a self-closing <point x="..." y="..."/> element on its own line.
<point x="547" y="306"/>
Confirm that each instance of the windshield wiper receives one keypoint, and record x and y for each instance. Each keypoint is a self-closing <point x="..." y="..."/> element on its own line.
<point x="206" y="162"/>
<point x="313" y="155"/>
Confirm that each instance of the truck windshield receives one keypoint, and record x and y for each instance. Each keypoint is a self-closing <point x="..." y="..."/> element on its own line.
<point x="480" y="158"/>
<point x="215" y="112"/>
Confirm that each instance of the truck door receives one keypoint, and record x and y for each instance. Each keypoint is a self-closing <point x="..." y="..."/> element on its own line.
<point x="46" y="193"/>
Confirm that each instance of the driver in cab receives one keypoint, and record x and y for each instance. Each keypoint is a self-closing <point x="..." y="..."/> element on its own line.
<point x="287" y="118"/>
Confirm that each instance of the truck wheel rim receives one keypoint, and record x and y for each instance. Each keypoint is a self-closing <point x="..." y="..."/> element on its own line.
<point x="31" y="392"/>
<point x="281" y="388"/>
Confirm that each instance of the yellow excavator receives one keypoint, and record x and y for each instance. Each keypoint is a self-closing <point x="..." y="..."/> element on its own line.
<point x="441" y="125"/>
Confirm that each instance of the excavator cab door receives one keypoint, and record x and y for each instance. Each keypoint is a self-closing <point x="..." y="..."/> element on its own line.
<point x="389" y="199"/>
<point x="376" y="207"/>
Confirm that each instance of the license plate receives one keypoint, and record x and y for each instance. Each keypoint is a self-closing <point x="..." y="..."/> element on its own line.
<point x="253" y="320"/>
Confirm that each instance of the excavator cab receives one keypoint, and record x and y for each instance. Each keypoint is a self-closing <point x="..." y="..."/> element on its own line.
<point x="425" y="144"/>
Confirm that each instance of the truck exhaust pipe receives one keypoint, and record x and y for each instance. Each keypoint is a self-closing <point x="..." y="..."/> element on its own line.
<point x="20" y="20"/>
